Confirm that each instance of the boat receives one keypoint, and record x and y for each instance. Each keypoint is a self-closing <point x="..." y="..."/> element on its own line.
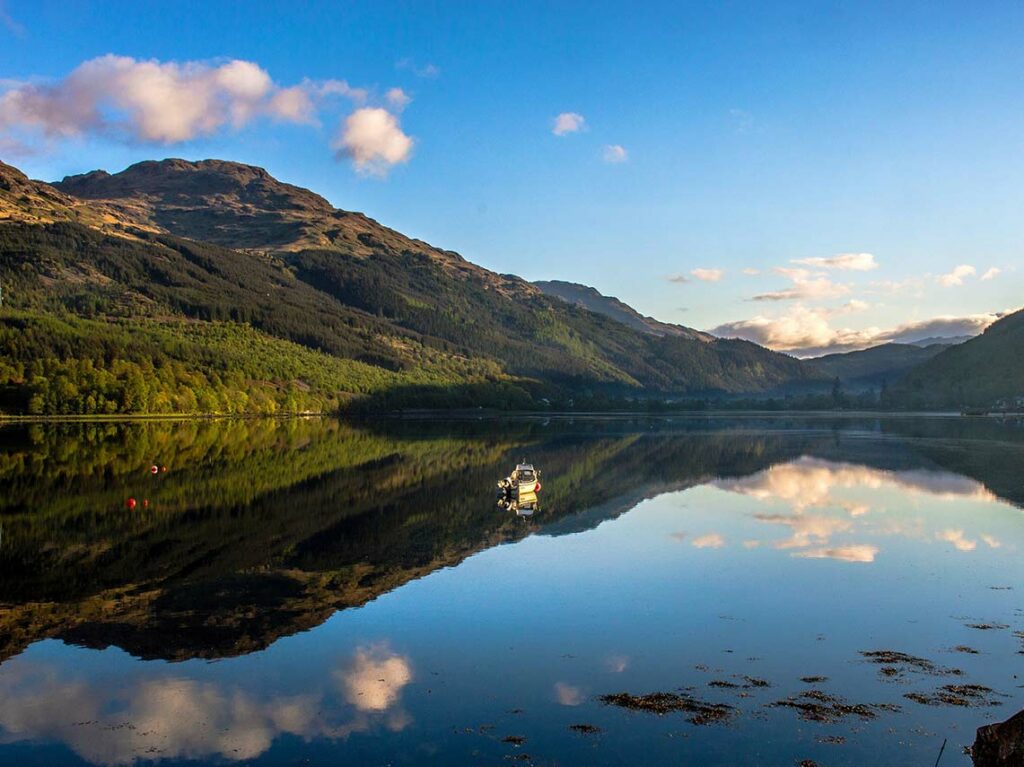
<point x="518" y="491"/>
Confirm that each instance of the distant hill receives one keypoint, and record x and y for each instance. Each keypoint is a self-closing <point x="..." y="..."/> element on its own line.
<point x="130" y="292"/>
<point x="977" y="372"/>
<point x="870" y="368"/>
<point x="943" y="340"/>
<point x="609" y="306"/>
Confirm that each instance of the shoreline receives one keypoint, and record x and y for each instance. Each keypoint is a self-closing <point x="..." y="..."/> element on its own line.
<point x="487" y="414"/>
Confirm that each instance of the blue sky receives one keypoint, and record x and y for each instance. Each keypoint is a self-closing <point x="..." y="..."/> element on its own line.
<point x="726" y="138"/>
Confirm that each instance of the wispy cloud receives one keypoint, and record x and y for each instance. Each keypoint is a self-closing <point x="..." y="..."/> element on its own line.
<point x="398" y="98"/>
<point x="426" y="71"/>
<point x="991" y="274"/>
<point x="957" y="276"/>
<point x="806" y="286"/>
<point x="568" y="122"/>
<point x="11" y="24"/>
<point x="614" y="153"/>
<point x="679" y="279"/>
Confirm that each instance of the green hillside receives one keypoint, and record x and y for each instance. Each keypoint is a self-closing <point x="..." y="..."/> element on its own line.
<point x="978" y="372"/>
<point x="116" y="286"/>
<point x="872" y="367"/>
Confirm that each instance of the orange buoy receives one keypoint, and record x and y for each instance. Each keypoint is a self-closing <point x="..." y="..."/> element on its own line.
<point x="130" y="503"/>
<point x="163" y="468"/>
<point x="145" y="503"/>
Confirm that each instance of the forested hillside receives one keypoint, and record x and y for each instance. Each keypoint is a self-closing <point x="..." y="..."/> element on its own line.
<point x="214" y="278"/>
<point x="979" y="372"/>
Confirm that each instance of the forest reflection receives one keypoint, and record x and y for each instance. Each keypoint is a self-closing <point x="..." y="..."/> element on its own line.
<point x="261" y="528"/>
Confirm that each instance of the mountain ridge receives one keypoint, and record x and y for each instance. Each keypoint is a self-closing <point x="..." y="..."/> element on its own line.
<point x="216" y="241"/>
<point x="590" y="298"/>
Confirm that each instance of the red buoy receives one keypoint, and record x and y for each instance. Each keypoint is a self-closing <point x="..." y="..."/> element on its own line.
<point x="154" y="469"/>
<point x="130" y="503"/>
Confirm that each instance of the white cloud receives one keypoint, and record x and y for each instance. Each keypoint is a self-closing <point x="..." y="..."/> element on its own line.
<point x="151" y="101"/>
<point x="172" y="102"/>
<point x="847" y="262"/>
<point x="293" y="105"/>
<point x="957" y="276"/>
<point x="613" y="153"/>
<point x="854" y="305"/>
<point x="808" y="332"/>
<point x="991" y="541"/>
<point x="805" y="286"/>
<point x="751" y="272"/>
<point x="373" y="139"/>
<point x="568" y="122"/>
<point x="991" y="274"/>
<point x="398" y="98"/>
<point x="707" y="275"/>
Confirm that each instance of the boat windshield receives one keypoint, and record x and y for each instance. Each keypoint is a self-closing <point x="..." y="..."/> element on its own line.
<point x="526" y="475"/>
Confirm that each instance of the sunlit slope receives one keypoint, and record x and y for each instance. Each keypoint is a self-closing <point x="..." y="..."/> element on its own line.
<point x="218" y="242"/>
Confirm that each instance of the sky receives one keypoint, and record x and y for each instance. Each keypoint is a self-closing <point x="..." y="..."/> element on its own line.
<point x="812" y="176"/>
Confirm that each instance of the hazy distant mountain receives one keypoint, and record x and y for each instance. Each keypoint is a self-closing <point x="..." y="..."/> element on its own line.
<point x="245" y="293"/>
<point x="871" y="367"/>
<point x="590" y="298"/>
<point x="980" y="371"/>
<point x="944" y="340"/>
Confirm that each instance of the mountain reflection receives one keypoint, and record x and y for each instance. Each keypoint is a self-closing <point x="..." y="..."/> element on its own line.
<point x="176" y="717"/>
<point x="260" y="529"/>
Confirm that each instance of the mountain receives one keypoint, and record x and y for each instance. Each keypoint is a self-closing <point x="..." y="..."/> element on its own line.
<point x="872" y="367"/>
<point x="978" y="372"/>
<point x="943" y="340"/>
<point x="210" y="286"/>
<point x="609" y="306"/>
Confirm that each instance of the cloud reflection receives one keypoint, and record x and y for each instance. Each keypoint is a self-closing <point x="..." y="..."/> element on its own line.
<point x="567" y="694"/>
<point x="860" y="552"/>
<point x="181" y="718"/>
<point x="827" y="500"/>
<point x="709" y="541"/>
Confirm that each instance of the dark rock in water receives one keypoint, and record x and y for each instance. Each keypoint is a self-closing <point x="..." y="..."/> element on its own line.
<point x="1000" y="745"/>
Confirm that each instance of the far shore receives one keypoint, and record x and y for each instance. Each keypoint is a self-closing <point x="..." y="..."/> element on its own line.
<point x="484" y="413"/>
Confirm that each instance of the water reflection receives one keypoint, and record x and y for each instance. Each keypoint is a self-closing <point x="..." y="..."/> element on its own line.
<point x="177" y="717"/>
<point x="654" y="539"/>
<point x="826" y="500"/>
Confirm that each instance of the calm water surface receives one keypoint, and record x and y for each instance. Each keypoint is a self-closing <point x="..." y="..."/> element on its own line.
<point x="314" y="592"/>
